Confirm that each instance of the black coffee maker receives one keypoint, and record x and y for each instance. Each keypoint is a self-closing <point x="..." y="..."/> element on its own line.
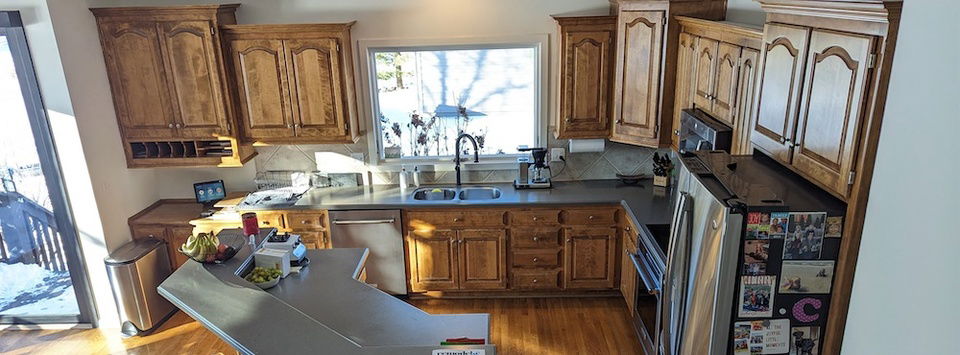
<point x="536" y="175"/>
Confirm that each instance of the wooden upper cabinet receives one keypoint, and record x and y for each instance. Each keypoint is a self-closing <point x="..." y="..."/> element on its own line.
<point x="433" y="260"/>
<point x="636" y="95"/>
<point x="294" y="82"/>
<point x="590" y="257"/>
<point x="192" y="58"/>
<point x="706" y="59"/>
<point x="316" y="83"/>
<point x="586" y="70"/>
<point x="261" y="79"/>
<point x="725" y="83"/>
<point x="137" y="79"/>
<point x="784" y="51"/>
<point x="483" y="259"/>
<point x="746" y="87"/>
<point x="686" y="70"/>
<point x="834" y="89"/>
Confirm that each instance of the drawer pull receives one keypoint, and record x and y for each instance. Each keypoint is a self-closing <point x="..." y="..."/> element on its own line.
<point x="535" y="280"/>
<point x="457" y="219"/>
<point x="535" y="218"/>
<point x="626" y="229"/>
<point x="591" y="217"/>
<point x="305" y="222"/>
<point x="266" y="223"/>
<point x="536" y="259"/>
<point x="536" y="239"/>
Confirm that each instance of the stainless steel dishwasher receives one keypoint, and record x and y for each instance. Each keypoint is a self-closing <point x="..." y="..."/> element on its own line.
<point x="379" y="231"/>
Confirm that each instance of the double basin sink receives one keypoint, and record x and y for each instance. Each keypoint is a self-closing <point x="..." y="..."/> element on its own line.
<point x="473" y="193"/>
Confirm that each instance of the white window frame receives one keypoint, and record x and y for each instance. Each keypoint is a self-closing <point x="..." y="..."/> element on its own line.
<point x="370" y="107"/>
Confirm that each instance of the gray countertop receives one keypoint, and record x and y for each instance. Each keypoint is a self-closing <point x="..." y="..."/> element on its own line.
<point x="645" y="203"/>
<point x="323" y="309"/>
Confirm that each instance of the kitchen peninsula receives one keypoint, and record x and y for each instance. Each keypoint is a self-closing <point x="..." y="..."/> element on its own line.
<point x="323" y="306"/>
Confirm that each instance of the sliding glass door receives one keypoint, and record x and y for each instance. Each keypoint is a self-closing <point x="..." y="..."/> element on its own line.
<point x="42" y="276"/>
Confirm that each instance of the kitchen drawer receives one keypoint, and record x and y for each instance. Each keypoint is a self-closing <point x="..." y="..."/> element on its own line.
<point x="535" y="237"/>
<point x="534" y="217"/>
<point x="313" y="240"/>
<point x="271" y="220"/>
<point x="308" y="221"/>
<point x="474" y="218"/>
<point x="536" y="279"/>
<point x="536" y="257"/>
<point x="590" y="216"/>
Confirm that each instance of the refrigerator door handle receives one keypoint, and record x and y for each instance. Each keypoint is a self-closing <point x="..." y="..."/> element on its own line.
<point x="669" y="335"/>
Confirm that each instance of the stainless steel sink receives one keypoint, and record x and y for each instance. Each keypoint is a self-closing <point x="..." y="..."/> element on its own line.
<point x="442" y="193"/>
<point x="434" y="194"/>
<point x="479" y="193"/>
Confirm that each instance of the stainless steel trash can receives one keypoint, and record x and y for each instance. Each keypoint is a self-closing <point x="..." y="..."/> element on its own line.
<point x="135" y="270"/>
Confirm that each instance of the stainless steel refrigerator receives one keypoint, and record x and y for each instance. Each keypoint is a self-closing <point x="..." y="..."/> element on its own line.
<point x="715" y="194"/>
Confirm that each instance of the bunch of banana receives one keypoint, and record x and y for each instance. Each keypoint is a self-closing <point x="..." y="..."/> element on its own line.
<point x="202" y="246"/>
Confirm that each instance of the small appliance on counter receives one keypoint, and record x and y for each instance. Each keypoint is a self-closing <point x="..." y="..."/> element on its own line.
<point x="208" y="194"/>
<point x="535" y="176"/>
<point x="290" y="244"/>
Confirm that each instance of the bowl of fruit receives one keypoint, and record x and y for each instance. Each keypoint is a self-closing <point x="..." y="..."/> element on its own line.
<point x="264" y="277"/>
<point x="207" y="248"/>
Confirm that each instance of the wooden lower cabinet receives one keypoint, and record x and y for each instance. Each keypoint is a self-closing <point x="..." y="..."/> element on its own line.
<point x="628" y="273"/>
<point x="433" y="260"/>
<point x="483" y="259"/>
<point x="522" y="249"/>
<point x="471" y="259"/>
<point x="590" y="257"/>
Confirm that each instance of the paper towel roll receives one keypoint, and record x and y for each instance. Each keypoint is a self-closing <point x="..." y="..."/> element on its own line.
<point x="586" y="145"/>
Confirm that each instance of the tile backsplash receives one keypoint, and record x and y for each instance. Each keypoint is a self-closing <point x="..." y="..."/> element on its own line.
<point x="616" y="158"/>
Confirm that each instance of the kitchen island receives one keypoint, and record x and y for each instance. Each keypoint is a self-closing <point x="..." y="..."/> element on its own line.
<point x="323" y="309"/>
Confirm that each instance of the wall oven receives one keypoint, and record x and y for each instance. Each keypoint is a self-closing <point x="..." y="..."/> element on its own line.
<point x="650" y="262"/>
<point x="700" y="131"/>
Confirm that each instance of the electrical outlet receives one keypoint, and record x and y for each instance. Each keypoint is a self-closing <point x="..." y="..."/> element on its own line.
<point x="557" y="153"/>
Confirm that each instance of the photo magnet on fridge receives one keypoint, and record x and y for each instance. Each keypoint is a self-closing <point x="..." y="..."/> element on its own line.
<point x="767" y="336"/>
<point x="834" y="227"/>
<point x="741" y="338"/>
<point x="779" y="221"/>
<point x="755" y="255"/>
<point x="758" y="225"/>
<point x="806" y="276"/>
<point x="756" y="296"/>
<point x="804" y="239"/>
<point x="805" y="341"/>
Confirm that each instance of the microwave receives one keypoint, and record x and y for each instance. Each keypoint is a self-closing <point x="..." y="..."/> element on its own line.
<point x="700" y="131"/>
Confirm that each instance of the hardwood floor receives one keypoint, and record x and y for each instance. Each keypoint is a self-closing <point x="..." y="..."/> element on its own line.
<point x="518" y="326"/>
<point x="549" y="325"/>
<point x="178" y="335"/>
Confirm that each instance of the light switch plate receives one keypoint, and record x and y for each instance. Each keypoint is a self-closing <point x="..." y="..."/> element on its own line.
<point x="557" y="153"/>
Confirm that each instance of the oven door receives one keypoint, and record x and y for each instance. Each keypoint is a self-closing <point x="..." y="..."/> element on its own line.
<point x="646" y="310"/>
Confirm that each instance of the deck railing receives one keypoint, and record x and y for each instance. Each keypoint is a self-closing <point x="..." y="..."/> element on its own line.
<point x="29" y="233"/>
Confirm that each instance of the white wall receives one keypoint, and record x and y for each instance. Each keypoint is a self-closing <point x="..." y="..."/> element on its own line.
<point x="905" y="291"/>
<point x="745" y="11"/>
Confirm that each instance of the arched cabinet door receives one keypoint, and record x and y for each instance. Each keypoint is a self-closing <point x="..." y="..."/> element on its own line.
<point x="316" y="87"/>
<point x="261" y="80"/>
<point x="637" y="82"/>
<point x="705" y="80"/>
<point x="141" y="97"/>
<point x="190" y="56"/>
<point x="784" y="50"/>
<point x="585" y="73"/>
<point x="725" y="84"/>
<point x="835" y="86"/>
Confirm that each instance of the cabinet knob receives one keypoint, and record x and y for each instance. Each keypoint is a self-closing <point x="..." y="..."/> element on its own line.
<point x="568" y="120"/>
<point x="170" y="125"/>
<point x="676" y="132"/>
<point x="179" y="125"/>
<point x="536" y="259"/>
<point x="266" y="223"/>
<point x="296" y="125"/>
<point x="457" y="219"/>
<point x="535" y="218"/>
<point x="620" y="121"/>
<point x="535" y="280"/>
<point x="305" y="222"/>
<point x="569" y="240"/>
<point x="626" y="229"/>
<point x="536" y="239"/>
<point x="591" y="217"/>
<point x="289" y="125"/>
